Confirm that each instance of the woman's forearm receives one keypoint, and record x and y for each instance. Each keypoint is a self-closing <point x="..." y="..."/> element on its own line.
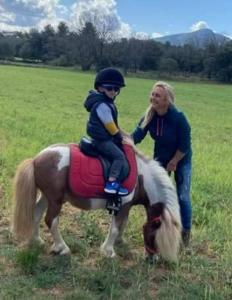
<point x="171" y="166"/>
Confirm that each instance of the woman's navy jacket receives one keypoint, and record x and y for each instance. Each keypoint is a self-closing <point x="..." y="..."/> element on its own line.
<point x="171" y="132"/>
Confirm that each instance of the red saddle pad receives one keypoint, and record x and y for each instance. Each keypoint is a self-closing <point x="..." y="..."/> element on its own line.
<point x="86" y="173"/>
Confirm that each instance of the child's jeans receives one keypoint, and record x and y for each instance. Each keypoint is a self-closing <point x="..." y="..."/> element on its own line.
<point x="111" y="151"/>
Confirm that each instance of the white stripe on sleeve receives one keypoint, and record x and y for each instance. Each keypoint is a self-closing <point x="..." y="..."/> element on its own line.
<point x="104" y="113"/>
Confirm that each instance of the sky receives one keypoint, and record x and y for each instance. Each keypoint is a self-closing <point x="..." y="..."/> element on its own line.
<point x="139" y="18"/>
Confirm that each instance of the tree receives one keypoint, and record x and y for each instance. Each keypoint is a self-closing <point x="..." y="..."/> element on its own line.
<point x="209" y="67"/>
<point x="88" y="43"/>
<point x="190" y="59"/>
<point x="150" y="56"/>
<point x="134" y="50"/>
<point x="224" y="63"/>
<point x="168" y="65"/>
<point x="32" y="47"/>
<point x="50" y="48"/>
<point x="63" y="30"/>
<point x="119" y="54"/>
<point x="62" y="43"/>
<point x="6" y="50"/>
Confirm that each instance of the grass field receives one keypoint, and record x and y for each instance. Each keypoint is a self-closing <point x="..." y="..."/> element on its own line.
<point x="39" y="107"/>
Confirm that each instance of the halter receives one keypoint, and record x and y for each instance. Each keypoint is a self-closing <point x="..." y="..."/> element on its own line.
<point x="150" y="251"/>
<point x="156" y="220"/>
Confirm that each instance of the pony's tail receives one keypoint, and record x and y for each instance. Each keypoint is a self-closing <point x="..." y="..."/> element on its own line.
<point x="24" y="196"/>
<point x="168" y="236"/>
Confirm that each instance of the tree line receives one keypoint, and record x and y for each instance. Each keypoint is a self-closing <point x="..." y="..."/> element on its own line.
<point x="90" y="48"/>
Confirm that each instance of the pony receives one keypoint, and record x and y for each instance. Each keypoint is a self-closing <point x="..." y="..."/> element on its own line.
<point x="41" y="185"/>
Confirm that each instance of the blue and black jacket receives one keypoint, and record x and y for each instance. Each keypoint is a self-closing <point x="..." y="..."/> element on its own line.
<point x="95" y="128"/>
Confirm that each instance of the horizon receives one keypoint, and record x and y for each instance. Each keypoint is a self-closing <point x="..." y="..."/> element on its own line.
<point x="127" y="18"/>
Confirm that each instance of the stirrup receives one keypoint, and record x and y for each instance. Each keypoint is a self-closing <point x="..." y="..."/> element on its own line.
<point x="113" y="204"/>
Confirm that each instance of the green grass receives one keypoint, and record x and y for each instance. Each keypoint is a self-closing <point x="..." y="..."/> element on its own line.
<point x="39" y="107"/>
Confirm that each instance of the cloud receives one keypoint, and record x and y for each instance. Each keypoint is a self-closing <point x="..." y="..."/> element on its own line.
<point x="199" y="25"/>
<point x="6" y="16"/>
<point x="141" y="35"/>
<point x="124" y="31"/>
<point x="46" y="7"/>
<point x="25" y="14"/>
<point x="11" y="28"/>
<point x="102" y="14"/>
<point x="156" y="35"/>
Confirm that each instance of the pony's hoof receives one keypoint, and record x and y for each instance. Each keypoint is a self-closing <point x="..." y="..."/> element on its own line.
<point x="39" y="241"/>
<point x="36" y="242"/>
<point x="66" y="251"/>
<point x="108" y="252"/>
<point x="60" y="250"/>
<point x="151" y="259"/>
<point x="120" y="242"/>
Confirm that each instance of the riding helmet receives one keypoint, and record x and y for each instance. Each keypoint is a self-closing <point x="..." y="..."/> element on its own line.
<point x="109" y="76"/>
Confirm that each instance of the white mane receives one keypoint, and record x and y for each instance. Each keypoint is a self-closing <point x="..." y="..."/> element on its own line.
<point x="157" y="184"/>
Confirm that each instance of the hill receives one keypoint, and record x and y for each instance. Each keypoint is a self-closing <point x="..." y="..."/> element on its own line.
<point x="199" y="38"/>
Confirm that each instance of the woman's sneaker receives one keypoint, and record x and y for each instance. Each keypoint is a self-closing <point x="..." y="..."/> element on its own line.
<point x="186" y="234"/>
<point x="115" y="188"/>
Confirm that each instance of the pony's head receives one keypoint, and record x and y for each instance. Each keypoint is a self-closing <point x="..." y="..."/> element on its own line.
<point x="154" y="221"/>
<point x="163" y="227"/>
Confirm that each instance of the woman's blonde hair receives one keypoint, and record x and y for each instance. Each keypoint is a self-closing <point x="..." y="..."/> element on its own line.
<point x="170" y="96"/>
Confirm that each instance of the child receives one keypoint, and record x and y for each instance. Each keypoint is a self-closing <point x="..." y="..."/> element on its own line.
<point x="102" y="125"/>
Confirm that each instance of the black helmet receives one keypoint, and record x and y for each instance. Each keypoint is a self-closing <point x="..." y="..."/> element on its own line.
<point x="109" y="76"/>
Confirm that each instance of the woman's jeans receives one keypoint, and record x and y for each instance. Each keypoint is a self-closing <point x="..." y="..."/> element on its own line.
<point x="183" y="181"/>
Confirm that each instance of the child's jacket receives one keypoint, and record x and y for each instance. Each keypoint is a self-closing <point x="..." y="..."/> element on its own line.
<point x="96" y="129"/>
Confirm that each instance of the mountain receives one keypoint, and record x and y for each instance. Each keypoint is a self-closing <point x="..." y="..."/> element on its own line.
<point x="199" y="38"/>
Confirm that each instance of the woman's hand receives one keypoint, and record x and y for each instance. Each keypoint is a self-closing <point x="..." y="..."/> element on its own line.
<point x="171" y="166"/>
<point x="128" y="140"/>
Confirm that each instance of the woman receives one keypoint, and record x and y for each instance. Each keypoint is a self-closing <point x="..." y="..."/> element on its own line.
<point x="170" y="130"/>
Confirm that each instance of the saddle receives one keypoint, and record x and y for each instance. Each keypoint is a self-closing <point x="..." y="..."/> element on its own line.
<point x="88" y="170"/>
